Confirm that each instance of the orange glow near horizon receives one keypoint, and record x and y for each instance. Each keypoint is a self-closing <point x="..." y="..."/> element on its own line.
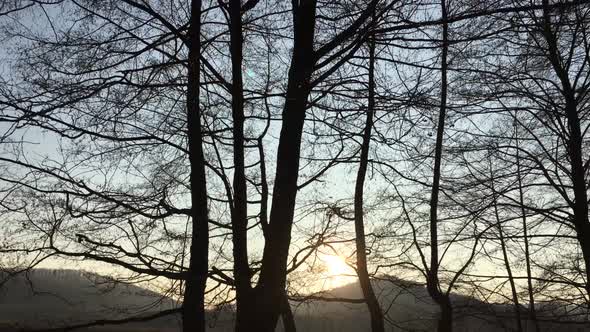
<point x="337" y="271"/>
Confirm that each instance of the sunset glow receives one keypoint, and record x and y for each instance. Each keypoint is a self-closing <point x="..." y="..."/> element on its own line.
<point x="338" y="272"/>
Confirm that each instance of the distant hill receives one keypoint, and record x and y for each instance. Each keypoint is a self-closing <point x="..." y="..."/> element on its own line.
<point x="54" y="298"/>
<point x="408" y="307"/>
<point x="407" y="304"/>
<point x="45" y="298"/>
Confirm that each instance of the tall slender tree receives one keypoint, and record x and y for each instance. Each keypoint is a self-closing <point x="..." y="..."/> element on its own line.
<point x="445" y="323"/>
<point x="377" y="324"/>
<point x="193" y="307"/>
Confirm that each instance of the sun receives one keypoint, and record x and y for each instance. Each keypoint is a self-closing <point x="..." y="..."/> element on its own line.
<point x="336" y="265"/>
<point x="338" y="272"/>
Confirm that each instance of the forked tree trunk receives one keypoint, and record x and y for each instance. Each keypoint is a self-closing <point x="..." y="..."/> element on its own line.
<point x="270" y="290"/>
<point x="574" y="144"/>
<point x="267" y="302"/>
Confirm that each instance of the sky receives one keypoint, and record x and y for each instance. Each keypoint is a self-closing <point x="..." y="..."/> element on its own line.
<point x="337" y="185"/>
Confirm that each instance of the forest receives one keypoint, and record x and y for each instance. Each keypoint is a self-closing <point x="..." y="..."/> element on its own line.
<point x="303" y="165"/>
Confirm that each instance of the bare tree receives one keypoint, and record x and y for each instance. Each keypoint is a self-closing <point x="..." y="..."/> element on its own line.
<point x="361" y="247"/>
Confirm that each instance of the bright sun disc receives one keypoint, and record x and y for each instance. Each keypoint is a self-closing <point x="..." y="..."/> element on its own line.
<point x="336" y="266"/>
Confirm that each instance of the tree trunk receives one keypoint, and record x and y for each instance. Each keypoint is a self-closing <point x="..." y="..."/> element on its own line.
<point x="287" y="315"/>
<point x="269" y="292"/>
<point x="239" y="208"/>
<point x="505" y="252"/>
<point x="532" y="310"/>
<point x="574" y="145"/>
<point x="361" y="249"/>
<point x="193" y="307"/>
<point x="580" y="221"/>
<point x="445" y="322"/>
